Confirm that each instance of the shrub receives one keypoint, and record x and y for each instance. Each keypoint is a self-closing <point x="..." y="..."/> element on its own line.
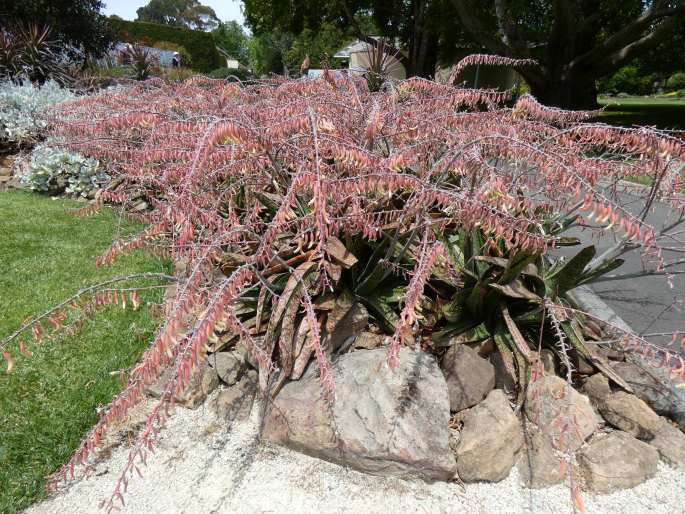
<point x="200" y="45"/>
<point x="21" y="107"/>
<point x="676" y="81"/>
<point x="186" y="59"/>
<point x="432" y="205"/>
<point x="54" y="171"/>
<point x="628" y="79"/>
<point x="229" y="73"/>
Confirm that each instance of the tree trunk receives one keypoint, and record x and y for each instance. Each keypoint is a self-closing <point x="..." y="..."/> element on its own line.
<point x="423" y="56"/>
<point x="574" y="92"/>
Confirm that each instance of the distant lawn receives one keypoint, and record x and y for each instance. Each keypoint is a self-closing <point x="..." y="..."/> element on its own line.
<point x="47" y="404"/>
<point x="663" y="113"/>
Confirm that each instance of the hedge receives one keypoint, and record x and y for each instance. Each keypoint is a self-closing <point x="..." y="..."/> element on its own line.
<point x="200" y="45"/>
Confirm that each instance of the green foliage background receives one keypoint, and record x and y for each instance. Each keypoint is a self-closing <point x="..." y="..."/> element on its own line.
<point x="200" y="45"/>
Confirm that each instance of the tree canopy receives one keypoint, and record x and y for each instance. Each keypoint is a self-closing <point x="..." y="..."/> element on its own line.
<point x="576" y="42"/>
<point x="183" y="13"/>
<point x="76" y="23"/>
<point x="232" y="39"/>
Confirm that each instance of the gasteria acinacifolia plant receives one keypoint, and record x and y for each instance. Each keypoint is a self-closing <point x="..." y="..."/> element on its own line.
<point x="434" y="206"/>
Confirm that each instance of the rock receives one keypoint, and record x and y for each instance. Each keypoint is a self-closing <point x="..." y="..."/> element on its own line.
<point x="616" y="461"/>
<point x="491" y="437"/>
<point x="549" y="361"/>
<point x="539" y="465"/>
<point x="549" y="403"/>
<point x="384" y="422"/>
<point x="229" y="366"/>
<point x="597" y="387"/>
<point x="655" y="388"/>
<point x="249" y="358"/>
<point x="369" y="341"/>
<point x="630" y="414"/>
<point x="583" y="366"/>
<point x="235" y="403"/>
<point x="469" y="377"/>
<point x="503" y="380"/>
<point x="670" y="443"/>
<point x="347" y="319"/>
<point x="202" y="382"/>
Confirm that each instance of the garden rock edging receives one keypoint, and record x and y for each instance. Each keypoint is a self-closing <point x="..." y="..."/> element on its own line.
<point x="385" y="422"/>
<point x="651" y="384"/>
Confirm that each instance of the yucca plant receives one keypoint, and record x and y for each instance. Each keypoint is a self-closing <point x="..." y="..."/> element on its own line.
<point x="27" y="52"/>
<point x="141" y="61"/>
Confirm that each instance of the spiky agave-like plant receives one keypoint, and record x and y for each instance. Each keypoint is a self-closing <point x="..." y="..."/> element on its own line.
<point x="433" y="205"/>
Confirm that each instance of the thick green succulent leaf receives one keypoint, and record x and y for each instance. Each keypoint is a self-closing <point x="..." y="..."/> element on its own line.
<point x="570" y="274"/>
<point x="575" y="337"/>
<point x="520" y="263"/>
<point x="505" y="344"/>
<point x="602" y="269"/>
<point x="382" y="312"/>
<point x="516" y="289"/>
<point x="445" y="336"/>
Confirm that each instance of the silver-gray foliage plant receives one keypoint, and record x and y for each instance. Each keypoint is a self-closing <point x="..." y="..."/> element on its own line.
<point x="53" y="170"/>
<point x="21" y="106"/>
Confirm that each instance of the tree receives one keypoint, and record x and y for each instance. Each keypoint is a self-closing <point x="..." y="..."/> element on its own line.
<point x="233" y="40"/>
<point x="318" y="45"/>
<point x="418" y="26"/>
<point x="74" y="23"/>
<point x="266" y="52"/>
<point x="576" y="42"/>
<point x="184" y="13"/>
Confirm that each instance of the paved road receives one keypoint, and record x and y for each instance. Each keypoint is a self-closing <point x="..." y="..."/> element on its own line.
<point x="645" y="303"/>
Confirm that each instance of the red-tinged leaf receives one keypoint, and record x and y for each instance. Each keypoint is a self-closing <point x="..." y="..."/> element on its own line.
<point x="135" y="301"/>
<point x="578" y="504"/>
<point x="23" y="350"/>
<point x="10" y="362"/>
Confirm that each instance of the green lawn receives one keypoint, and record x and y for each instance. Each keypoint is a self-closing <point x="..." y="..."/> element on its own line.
<point x="48" y="402"/>
<point x="664" y="113"/>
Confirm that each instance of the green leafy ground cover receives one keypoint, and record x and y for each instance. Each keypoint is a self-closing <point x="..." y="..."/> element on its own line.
<point x="49" y="401"/>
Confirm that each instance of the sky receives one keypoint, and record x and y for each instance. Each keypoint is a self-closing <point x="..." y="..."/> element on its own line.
<point x="226" y="10"/>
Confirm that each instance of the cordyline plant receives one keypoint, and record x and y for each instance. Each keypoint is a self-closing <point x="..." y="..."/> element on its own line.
<point x="435" y="207"/>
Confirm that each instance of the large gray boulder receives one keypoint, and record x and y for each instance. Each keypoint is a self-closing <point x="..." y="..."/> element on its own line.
<point x="229" y="366"/>
<point x="539" y="465"/>
<point x="491" y="438"/>
<point x="655" y="387"/>
<point x="670" y="443"/>
<point x="616" y="461"/>
<point x="627" y="412"/>
<point x="561" y="411"/>
<point x="469" y="377"/>
<point x="384" y="422"/>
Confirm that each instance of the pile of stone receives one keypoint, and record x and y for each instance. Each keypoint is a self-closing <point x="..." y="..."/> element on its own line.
<point x="454" y="417"/>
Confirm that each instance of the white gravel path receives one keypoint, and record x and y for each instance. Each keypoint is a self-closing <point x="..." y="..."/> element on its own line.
<point x="201" y="467"/>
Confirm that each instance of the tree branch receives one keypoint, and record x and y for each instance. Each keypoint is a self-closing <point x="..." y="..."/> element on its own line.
<point x="475" y="27"/>
<point x="612" y="50"/>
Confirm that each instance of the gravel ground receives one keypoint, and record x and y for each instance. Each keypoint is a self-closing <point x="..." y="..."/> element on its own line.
<point x="200" y="466"/>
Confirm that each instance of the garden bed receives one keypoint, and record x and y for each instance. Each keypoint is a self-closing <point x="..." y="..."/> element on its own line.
<point x="378" y="265"/>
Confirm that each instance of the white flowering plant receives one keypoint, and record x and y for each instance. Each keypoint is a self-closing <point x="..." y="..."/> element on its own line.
<point x="53" y="170"/>
<point x="21" y="106"/>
